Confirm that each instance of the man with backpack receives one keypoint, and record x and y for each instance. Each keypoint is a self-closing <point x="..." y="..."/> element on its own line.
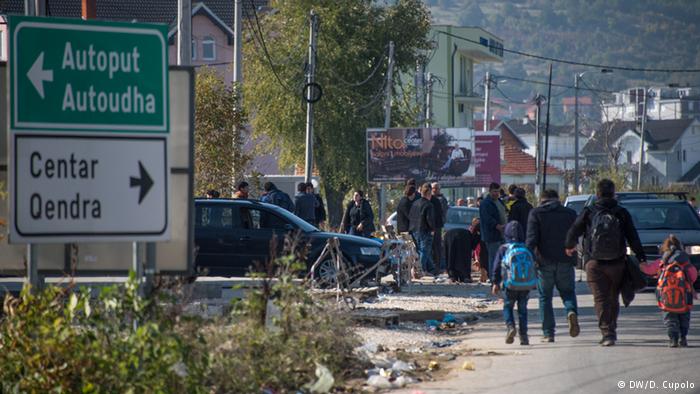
<point x="546" y="234"/>
<point x="605" y="226"/>
<point x="514" y="271"/>
<point x="275" y="196"/>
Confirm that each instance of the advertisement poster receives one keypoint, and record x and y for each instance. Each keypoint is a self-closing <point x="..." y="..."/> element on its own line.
<point x="450" y="156"/>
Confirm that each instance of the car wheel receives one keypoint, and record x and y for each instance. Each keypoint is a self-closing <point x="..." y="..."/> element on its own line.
<point x="325" y="273"/>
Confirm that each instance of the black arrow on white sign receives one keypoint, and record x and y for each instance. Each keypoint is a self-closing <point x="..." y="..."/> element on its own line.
<point x="144" y="182"/>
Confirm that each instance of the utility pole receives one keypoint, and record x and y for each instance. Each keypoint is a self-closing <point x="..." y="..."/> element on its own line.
<point x="387" y="92"/>
<point x="641" y="145"/>
<point x="546" y="133"/>
<point x="576" y="181"/>
<point x="487" y="91"/>
<point x="311" y="70"/>
<point x="237" y="44"/>
<point x="429" y="102"/>
<point x="538" y="144"/>
<point x="420" y="90"/>
<point x="184" y="32"/>
<point x="387" y="120"/>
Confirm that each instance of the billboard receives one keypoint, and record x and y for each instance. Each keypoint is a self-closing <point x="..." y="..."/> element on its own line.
<point x="454" y="156"/>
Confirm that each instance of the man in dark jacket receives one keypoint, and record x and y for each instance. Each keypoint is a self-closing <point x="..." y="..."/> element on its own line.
<point x="440" y="203"/>
<point x="520" y="208"/>
<point x="422" y="226"/>
<point x="275" y="196"/>
<point x="546" y="234"/>
<point x="605" y="226"/>
<point x="305" y="204"/>
<point x="492" y="213"/>
<point x="320" y="207"/>
<point x="403" y="210"/>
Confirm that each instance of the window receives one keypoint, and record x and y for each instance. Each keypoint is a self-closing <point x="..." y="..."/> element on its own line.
<point x="461" y="108"/>
<point x="684" y="155"/>
<point x="214" y="217"/>
<point x="208" y="48"/>
<point x="462" y="75"/>
<point x="690" y="105"/>
<point x="629" y="157"/>
<point x="194" y="50"/>
<point x="261" y="219"/>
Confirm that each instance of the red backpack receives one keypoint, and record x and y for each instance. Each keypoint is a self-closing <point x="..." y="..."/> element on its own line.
<point x="674" y="292"/>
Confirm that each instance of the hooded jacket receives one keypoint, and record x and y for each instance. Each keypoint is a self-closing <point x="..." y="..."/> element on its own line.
<point x="582" y="226"/>
<point x="514" y="234"/>
<point x="547" y="226"/>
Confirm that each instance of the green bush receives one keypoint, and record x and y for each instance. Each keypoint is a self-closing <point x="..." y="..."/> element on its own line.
<point x="65" y="341"/>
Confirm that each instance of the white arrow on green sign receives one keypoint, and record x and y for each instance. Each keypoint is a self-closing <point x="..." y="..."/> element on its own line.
<point x="88" y="76"/>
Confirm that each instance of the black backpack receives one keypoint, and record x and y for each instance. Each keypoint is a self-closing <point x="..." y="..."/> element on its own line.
<point x="606" y="234"/>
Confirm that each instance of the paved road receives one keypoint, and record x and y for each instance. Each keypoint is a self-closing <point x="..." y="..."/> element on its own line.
<point x="579" y="365"/>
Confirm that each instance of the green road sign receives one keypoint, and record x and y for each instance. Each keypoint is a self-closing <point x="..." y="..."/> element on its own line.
<point x="74" y="75"/>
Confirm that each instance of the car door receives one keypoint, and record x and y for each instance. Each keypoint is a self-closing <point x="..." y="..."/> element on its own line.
<point x="259" y="226"/>
<point x="216" y="250"/>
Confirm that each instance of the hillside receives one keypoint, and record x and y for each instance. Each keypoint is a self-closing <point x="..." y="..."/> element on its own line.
<point x="636" y="33"/>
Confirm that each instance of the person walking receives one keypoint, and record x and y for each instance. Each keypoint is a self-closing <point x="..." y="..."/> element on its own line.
<point x="440" y="204"/>
<point x="606" y="226"/>
<point x="422" y="226"/>
<point x="514" y="271"/>
<point x="275" y="196"/>
<point x="520" y="208"/>
<point x="320" y="207"/>
<point x="492" y="213"/>
<point x="547" y="226"/>
<point x="358" y="218"/>
<point x="403" y="210"/>
<point x="305" y="204"/>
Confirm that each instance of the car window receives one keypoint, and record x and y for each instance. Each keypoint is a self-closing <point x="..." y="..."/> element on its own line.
<point x="253" y="218"/>
<point x="649" y="217"/>
<point x="215" y="217"/>
<point x="576" y="205"/>
<point x="461" y="216"/>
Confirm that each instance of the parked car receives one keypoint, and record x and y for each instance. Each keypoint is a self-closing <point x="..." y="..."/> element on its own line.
<point x="231" y="236"/>
<point x="576" y="202"/>
<point x="656" y="219"/>
<point x="622" y="196"/>
<point x="457" y="217"/>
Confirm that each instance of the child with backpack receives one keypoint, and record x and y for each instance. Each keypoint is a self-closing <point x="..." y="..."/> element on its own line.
<point x="514" y="271"/>
<point x="674" y="289"/>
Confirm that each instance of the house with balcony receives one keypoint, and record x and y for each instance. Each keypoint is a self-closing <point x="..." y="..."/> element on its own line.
<point x="662" y="104"/>
<point x="455" y="95"/>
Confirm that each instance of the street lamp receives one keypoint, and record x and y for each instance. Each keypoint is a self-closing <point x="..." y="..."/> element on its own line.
<point x="577" y="78"/>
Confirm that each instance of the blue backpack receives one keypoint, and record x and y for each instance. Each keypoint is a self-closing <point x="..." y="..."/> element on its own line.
<point x="518" y="268"/>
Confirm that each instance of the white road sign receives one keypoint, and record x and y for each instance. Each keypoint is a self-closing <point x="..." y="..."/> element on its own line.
<point x="76" y="188"/>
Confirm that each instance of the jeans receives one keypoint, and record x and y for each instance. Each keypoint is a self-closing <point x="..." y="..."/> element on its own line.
<point x="605" y="280"/>
<point x="562" y="276"/>
<point x="492" y="248"/>
<point x="510" y="298"/>
<point x="438" y="249"/>
<point x="677" y="324"/>
<point x="425" y="250"/>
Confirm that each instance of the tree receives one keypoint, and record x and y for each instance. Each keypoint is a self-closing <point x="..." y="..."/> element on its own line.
<point x="351" y="67"/>
<point x="219" y="161"/>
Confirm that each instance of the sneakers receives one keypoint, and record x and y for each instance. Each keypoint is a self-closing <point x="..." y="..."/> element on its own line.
<point x="510" y="334"/>
<point x="574" y="328"/>
<point x="684" y="342"/>
<point x="524" y="341"/>
<point x="547" y="339"/>
<point x="607" y="342"/>
<point x="673" y="342"/>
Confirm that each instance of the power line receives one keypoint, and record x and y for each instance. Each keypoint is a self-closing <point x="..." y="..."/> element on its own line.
<point x="552" y="59"/>
<point x="264" y="46"/>
<point x="553" y="84"/>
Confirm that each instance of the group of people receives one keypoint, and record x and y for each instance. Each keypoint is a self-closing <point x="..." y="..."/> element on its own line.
<point x="423" y="214"/>
<point x="541" y="255"/>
